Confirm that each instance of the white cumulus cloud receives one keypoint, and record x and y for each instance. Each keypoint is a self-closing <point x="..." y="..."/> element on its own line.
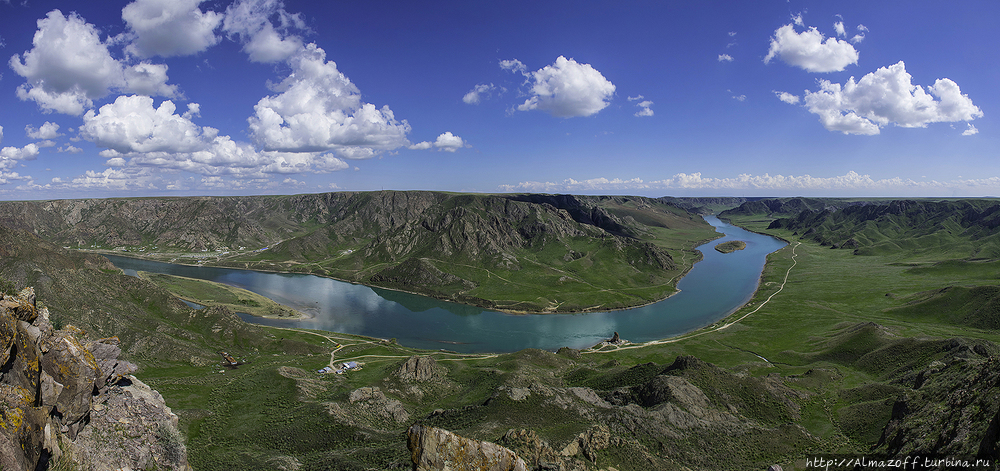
<point x="148" y="79"/>
<point x="786" y="97"/>
<point x="46" y="131"/>
<point x="861" y="34"/>
<point x="170" y="27"/>
<point x="514" y="65"/>
<point x="839" y="28"/>
<point x="447" y="142"/>
<point x="10" y="155"/>
<point x="69" y="66"/>
<point x="251" y="22"/>
<point x="317" y="108"/>
<point x="810" y="50"/>
<point x="851" y="183"/>
<point x="568" y="89"/>
<point x="888" y="96"/>
<point x="137" y="134"/>
<point x="725" y="58"/>
<point x="475" y="95"/>
<point x="970" y="131"/>
<point x="132" y="124"/>
<point x="644" y="108"/>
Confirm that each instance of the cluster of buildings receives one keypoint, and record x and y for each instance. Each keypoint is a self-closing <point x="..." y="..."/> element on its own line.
<point x="341" y="368"/>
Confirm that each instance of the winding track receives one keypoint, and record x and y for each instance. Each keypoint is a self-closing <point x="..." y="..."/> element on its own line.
<point x="706" y="331"/>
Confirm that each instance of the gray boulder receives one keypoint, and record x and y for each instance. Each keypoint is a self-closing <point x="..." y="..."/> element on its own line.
<point x="435" y="449"/>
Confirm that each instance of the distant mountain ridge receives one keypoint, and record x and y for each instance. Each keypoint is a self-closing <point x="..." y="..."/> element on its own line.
<point x="964" y="228"/>
<point x="451" y="246"/>
<point x="776" y="207"/>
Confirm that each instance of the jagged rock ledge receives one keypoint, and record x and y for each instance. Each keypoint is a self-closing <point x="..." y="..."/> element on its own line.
<point x="68" y="400"/>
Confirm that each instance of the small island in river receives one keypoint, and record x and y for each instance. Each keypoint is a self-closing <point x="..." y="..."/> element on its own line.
<point x="731" y="246"/>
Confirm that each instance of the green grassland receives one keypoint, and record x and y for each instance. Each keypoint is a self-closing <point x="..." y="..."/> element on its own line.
<point x="731" y="246"/>
<point x="891" y="353"/>
<point x="818" y="368"/>
<point x="210" y="293"/>
<point x="519" y="253"/>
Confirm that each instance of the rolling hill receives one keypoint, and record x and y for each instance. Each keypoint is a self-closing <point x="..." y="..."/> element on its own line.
<point x="536" y="253"/>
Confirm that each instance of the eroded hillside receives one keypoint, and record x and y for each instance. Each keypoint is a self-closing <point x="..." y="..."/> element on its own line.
<point x="536" y="253"/>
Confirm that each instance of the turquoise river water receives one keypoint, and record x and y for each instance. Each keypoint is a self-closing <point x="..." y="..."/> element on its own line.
<point x="716" y="286"/>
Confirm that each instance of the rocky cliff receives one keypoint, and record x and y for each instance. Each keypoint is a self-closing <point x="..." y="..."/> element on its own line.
<point x="434" y="449"/>
<point x="69" y="400"/>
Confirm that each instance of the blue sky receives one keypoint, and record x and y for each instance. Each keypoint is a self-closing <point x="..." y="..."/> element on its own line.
<point x="778" y="98"/>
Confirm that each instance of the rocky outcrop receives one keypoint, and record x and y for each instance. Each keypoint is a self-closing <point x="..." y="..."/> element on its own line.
<point x="130" y="426"/>
<point x="420" y="369"/>
<point x="572" y="457"/>
<point x="52" y="385"/>
<point x="952" y="408"/>
<point x="370" y="408"/>
<point x="435" y="449"/>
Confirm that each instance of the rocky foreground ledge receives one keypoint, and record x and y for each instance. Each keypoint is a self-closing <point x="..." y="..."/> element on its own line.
<point x="65" y="399"/>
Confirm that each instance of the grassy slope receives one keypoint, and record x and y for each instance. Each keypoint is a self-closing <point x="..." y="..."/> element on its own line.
<point x="538" y="253"/>
<point x="840" y="343"/>
<point x="843" y="338"/>
<point x="511" y="254"/>
<point x="210" y="293"/>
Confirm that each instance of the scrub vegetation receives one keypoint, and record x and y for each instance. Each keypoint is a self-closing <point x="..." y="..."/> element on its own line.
<point x="731" y="246"/>
<point x="888" y="352"/>
<point x="521" y="253"/>
<point x="210" y="293"/>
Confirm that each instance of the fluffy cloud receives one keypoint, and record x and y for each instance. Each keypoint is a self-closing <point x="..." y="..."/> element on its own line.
<point x="28" y="152"/>
<point x="970" y="131"/>
<point x="447" y="142"/>
<point x="317" y="108"/>
<point x="888" y="96"/>
<point x="861" y="34"/>
<point x="786" y="97"/>
<point x="170" y="27"/>
<point x="9" y="156"/>
<point x="111" y="179"/>
<point x="132" y="124"/>
<point x="810" y="50"/>
<point x="725" y="58"/>
<point x="137" y="134"/>
<point x="69" y="67"/>
<point x="568" y="89"/>
<point x="851" y="183"/>
<point x="644" y="109"/>
<point x="475" y="95"/>
<point x="250" y="21"/>
<point x="839" y="28"/>
<point x="46" y="131"/>
<point x="148" y="79"/>
<point x="6" y="177"/>
<point x="514" y="65"/>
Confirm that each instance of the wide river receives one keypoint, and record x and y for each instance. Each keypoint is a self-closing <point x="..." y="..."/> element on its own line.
<point x="716" y="286"/>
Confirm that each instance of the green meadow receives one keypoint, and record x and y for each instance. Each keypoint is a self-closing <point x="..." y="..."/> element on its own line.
<point x="839" y="331"/>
